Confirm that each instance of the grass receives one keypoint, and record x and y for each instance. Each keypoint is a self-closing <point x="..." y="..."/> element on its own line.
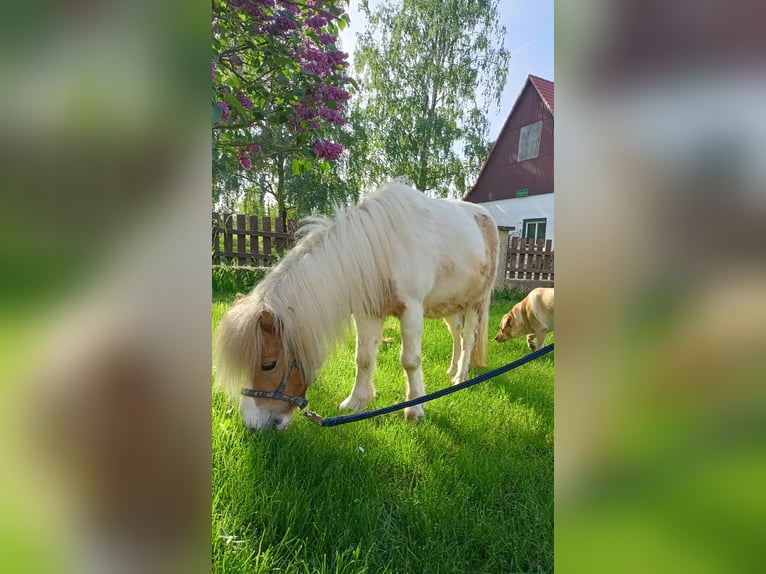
<point x="467" y="489"/>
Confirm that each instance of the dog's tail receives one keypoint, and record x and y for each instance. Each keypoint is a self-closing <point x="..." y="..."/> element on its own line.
<point x="479" y="352"/>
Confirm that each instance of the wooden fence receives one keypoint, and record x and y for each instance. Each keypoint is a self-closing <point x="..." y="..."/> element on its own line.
<point x="239" y="239"/>
<point x="529" y="259"/>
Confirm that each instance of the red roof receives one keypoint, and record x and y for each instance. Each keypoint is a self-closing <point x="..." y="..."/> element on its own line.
<point x="545" y="89"/>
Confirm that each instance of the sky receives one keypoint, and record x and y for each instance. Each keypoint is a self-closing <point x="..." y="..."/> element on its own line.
<point x="528" y="37"/>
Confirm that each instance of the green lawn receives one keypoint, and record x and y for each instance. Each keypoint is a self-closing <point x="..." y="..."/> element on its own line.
<point x="468" y="489"/>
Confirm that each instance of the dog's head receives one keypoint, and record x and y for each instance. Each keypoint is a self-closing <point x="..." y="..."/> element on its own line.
<point x="506" y="324"/>
<point x="511" y="325"/>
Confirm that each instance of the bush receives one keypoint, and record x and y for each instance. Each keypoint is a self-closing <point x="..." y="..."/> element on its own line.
<point x="230" y="280"/>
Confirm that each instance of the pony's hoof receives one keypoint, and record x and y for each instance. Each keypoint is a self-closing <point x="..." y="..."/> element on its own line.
<point x="353" y="404"/>
<point x="456" y="380"/>
<point x="414" y="413"/>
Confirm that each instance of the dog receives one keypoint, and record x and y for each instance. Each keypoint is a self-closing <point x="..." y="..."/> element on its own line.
<point x="532" y="316"/>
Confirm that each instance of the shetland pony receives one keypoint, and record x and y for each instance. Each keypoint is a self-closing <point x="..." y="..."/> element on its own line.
<point x="397" y="253"/>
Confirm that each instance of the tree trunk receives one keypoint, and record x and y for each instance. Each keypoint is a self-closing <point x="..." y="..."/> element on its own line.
<point x="281" y="199"/>
<point x="422" y="179"/>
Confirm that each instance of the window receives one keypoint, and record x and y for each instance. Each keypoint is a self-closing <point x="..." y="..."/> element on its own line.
<point x="529" y="141"/>
<point x="534" y="228"/>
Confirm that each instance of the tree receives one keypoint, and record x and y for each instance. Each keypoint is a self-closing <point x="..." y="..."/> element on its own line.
<point x="429" y="70"/>
<point x="279" y="83"/>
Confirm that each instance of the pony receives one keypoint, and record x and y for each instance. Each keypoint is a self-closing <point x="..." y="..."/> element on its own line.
<point x="396" y="253"/>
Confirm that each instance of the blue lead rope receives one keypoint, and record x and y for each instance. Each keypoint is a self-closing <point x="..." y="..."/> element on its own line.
<point x="345" y="419"/>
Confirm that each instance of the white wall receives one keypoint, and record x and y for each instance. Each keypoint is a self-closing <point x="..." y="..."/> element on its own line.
<point x="513" y="212"/>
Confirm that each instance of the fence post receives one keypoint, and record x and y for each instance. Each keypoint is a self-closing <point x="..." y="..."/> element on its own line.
<point x="502" y="256"/>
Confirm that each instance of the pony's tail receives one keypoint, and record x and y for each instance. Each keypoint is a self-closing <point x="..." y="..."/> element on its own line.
<point x="237" y="348"/>
<point x="479" y="352"/>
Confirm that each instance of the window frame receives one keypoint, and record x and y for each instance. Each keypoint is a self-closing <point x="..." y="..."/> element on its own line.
<point x="525" y="136"/>
<point x="537" y="221"/>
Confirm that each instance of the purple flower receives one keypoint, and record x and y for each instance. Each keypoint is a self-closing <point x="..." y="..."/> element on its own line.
<point x="318" y="68"/>
<point x="317" y="22"/>
<point x="294" y="9"/>
<point x="335" y="57"/>
<point x="255" y="12"/>
<point x="225" y="114"/>
<point x="326" y="38"/>
<point x="327" y="150"/>
<point x="246" y="163"/>
<point x="254" y="148"/>
<point x="302" y="112"/>
<point x="315" y="61"/>
<point x="332" y="116"/>
<point x="281" y="24"/>
<point x="245" y="101"/>
<point x="334" y="93"/>
<point x="214" y="68"/>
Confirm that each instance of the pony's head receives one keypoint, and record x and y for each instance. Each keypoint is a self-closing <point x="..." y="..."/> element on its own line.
<point x="251" y="355"/>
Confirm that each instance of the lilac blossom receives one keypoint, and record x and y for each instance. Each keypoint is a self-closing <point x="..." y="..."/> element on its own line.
<point x="245" y="162"/>
<point x="245" y="101"/>
<point x="285" y="26"/>
<point x="332" y="116"/>
<point x="294" y="9"/>
<point x="333" y="93"/>
<point x="326" y="39"/>
<point x="225" y="114"/>
<point x="302" y="112"/>
<point x="335" y="57"/>
<point x="281" y="24"/>
<point x="327" y="150"/>
<point x="317" y="22"/>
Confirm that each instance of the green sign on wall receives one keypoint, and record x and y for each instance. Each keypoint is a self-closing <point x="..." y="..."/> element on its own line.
<point x="522" y="192"/>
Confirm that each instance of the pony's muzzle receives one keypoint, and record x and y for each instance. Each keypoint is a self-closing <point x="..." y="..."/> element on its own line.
<point x="260" y="419"/>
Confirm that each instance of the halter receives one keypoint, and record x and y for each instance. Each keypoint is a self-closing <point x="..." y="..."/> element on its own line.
<point x="279" y="394"/>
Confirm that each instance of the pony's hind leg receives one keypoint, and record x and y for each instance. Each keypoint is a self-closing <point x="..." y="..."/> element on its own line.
<point x="455" y="325"/>
<point x="369" y="331"/>
<point x="467" y="339"/>
<point x="411" y="321"/>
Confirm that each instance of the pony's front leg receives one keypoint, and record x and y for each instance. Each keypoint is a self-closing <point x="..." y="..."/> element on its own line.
<point x="468" y="339"/>
<point x="455" y="325"/>
<point x="411" y="321"/>
<point x="369" y="331"/>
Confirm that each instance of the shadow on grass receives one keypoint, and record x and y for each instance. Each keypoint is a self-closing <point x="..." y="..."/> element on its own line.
<point x="404" y="497"/>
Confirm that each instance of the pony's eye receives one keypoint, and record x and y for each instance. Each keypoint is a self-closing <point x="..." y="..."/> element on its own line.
<point x="268" y="366"/>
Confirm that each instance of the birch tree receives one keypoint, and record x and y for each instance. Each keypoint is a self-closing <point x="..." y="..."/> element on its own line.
<point x="429" y="70"/>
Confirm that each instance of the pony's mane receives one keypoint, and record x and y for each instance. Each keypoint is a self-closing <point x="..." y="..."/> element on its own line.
<point x="339" y="266"/>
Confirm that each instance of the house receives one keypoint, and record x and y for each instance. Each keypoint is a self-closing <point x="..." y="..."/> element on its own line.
<point x="516" y="182"/>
